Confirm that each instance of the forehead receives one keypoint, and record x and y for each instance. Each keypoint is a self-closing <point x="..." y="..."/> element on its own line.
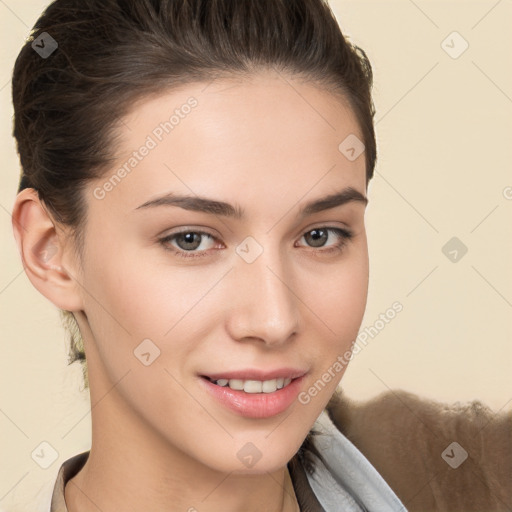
<point x="270" y="134"/>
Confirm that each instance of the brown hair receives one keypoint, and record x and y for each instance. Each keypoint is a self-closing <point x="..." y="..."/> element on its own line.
<point x="108" y="54"/>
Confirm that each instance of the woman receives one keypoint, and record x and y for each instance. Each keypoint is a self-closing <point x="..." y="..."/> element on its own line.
<point x="194" y="185"/>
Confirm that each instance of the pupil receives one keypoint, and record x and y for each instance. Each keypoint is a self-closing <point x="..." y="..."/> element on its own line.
<point x="317" y="235"/>
<point x="188" y="239"/>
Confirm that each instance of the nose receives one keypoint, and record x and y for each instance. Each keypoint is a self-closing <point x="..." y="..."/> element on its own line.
<point x="264" y="303"/>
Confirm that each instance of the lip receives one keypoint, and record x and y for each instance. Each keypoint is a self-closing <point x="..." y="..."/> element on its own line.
<point x="256" y="374"/>
<point x="254" y="405"/>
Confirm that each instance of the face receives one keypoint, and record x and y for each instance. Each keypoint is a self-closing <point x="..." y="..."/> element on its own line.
<point x="256" y="286"/>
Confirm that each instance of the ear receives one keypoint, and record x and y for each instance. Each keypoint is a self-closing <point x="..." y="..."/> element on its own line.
<point x="45" y="252"/>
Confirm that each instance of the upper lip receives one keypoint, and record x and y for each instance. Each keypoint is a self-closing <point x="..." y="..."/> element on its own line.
<point x="256" y="374"/>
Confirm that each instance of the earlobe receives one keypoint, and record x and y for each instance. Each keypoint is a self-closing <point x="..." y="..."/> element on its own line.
<point x="42" y="251"/>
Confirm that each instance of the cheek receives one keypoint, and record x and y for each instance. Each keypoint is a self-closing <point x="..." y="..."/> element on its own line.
<point x="139" y="297"/>
<point x="138" y="305"/>
<point x="337" y="311"/>
<point x="123" y="306"/>
<point x="339" y="296"/>
<point x="136" y="308"/>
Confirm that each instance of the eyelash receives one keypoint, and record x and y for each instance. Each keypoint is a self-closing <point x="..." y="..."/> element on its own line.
<point x="344" y="234"/>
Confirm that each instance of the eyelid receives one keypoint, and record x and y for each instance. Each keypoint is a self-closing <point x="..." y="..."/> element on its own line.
<point x="188" y="229"/>
<point x="326" y="224"/>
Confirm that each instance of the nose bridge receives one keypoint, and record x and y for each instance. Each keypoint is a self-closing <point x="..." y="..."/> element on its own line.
<point x="266" y="306"/>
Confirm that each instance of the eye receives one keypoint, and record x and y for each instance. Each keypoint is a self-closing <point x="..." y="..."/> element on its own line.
<point x="187" y="241"/>
<point x="317" y="237"/>
<point x="193" y="242"/>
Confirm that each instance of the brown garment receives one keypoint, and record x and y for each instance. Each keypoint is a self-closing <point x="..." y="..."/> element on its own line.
<point x="410" y="440"/>
<point x="67" y="471"/>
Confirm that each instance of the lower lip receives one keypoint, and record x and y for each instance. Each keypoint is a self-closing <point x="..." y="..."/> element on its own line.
<point x="255" y="405"/>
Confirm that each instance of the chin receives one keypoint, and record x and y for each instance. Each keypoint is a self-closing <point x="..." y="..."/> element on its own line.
<point x="254" y="455"/>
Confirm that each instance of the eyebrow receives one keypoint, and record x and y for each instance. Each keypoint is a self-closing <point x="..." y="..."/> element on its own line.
<point x="214" y="207"/>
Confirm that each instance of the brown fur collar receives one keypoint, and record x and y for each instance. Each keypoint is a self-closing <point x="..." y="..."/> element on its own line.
<point x="408" y="439"/>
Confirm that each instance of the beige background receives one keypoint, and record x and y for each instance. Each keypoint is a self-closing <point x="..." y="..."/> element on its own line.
<point x="444" y="129"/>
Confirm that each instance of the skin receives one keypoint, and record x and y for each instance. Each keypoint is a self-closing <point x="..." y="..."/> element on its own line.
<point x="159" y="441"/>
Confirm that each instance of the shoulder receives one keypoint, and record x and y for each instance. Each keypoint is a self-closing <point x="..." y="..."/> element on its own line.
<point x="342" y="477"/>
<point x="433" y="455"/>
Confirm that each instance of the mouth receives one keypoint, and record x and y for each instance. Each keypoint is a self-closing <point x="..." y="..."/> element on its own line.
<point x="255" y="394"/>
<point x="252" y="386"/>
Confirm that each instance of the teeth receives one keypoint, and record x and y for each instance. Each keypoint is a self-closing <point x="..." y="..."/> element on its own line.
<point x="254" y="386"/>
<point x="268" y="386"/>
<point x="235" y="384"/>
